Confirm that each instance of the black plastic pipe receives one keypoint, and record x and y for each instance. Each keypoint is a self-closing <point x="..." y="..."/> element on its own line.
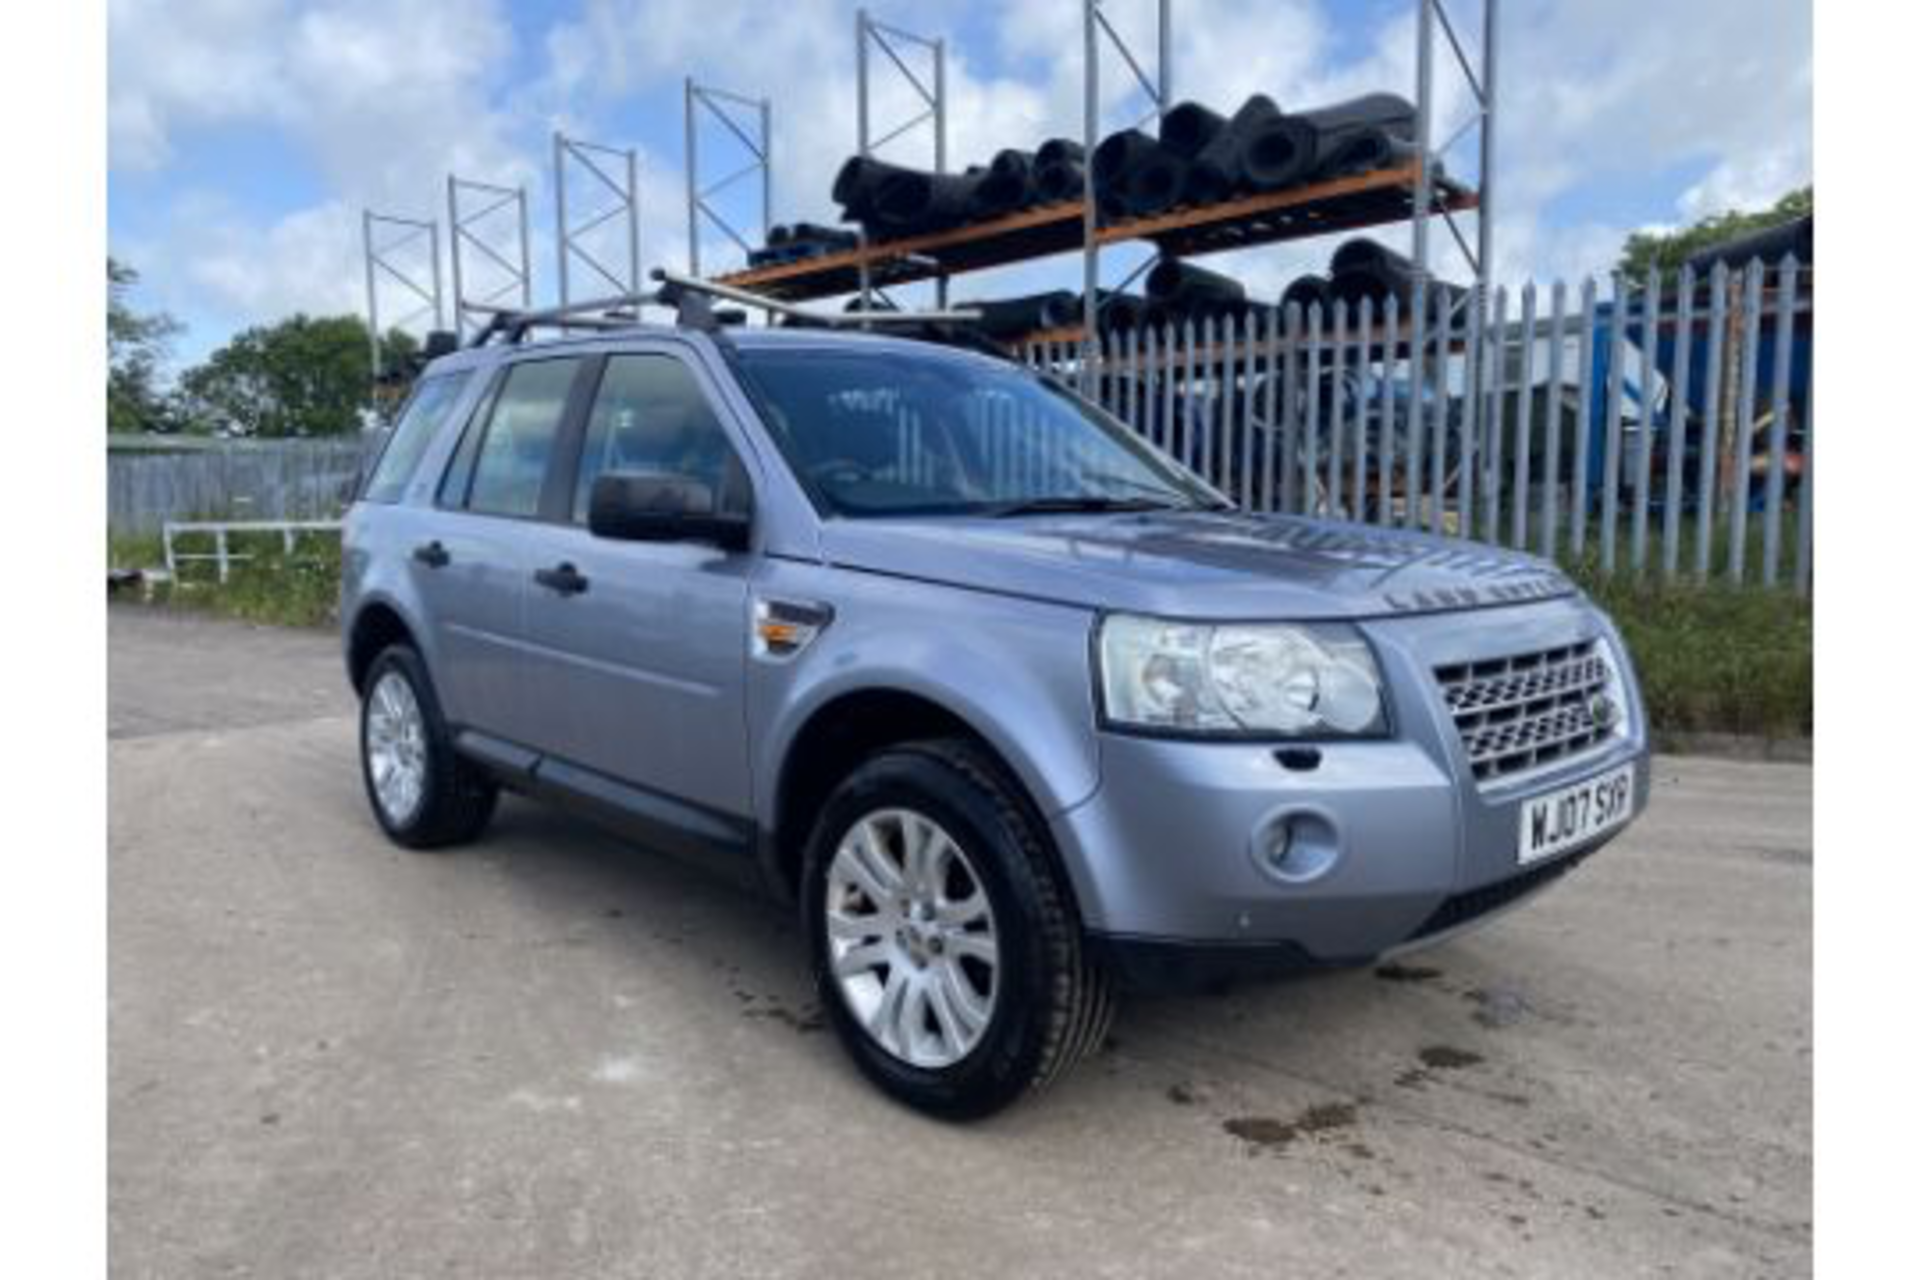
<point x="1308" y="291"/>
<point x="859" y="182"/>
<point x="1006" y="187"/>
<point x="1154" y="185"/>
<point x="1060" y="180"/>
<point x="1290" y="149"/>
<point x="1059" y="151"/>
<point x="1363" y="151"/>
<point x="1189" y="128"/>
<point x="1185" y="290"/>
<point x="1218" y="171"/>
<point x="1114" y="162"/>
<point x="913" y="202"/>
<point x="1009" y="318"/>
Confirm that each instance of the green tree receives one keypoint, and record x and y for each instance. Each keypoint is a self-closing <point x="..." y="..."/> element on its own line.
<point x="305" y="376"/>
<point x="137" y="345"/>
<point x="1670" y="250"/>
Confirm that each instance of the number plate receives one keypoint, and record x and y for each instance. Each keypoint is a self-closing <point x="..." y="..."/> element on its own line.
<point x="1574" y="815"/>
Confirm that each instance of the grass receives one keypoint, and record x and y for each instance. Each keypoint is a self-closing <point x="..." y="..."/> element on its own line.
<point x="1712" y="659"/>
<point x="270" y="586"/>
<point x="1715" y="658"/>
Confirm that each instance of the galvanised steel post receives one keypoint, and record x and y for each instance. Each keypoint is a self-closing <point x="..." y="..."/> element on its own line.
<point x="433" y="252"/>
<point x="373" y="297"/>
<point x="1423" y="142"/>
<point x="766" y="167"/>
<point x="693" y="186"/>
<point x="940" y="140"/>
<point x="633" y="219"/>
<point x="1489" y="123"/>
<point x="940" y="105"/>
<point x="1422" y="200"/>
<point x="560" y="209"/>
<point x="860" y="24"/>
<point x="526" y="253"/>
<point x="1090" y="301"/>
<point x="453" y="226"/>
<point x="1165" y="65"/>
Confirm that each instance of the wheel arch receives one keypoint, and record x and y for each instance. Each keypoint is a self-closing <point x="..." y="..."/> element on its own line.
<point x="377" y="624"/>
<point x="840" y="732"/>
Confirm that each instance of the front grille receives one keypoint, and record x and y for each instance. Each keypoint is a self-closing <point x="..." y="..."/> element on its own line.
<point x="1519" y="713"/>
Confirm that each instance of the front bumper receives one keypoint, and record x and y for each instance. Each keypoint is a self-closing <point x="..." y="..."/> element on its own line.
<point x="1396" y="841"/>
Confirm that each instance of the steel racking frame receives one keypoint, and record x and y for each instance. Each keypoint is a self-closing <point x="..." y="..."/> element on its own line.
<point x="759" y="144"/>
<point x="571" y="238"/>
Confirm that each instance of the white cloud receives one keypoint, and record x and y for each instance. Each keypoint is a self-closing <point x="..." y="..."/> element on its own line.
<point x="177" y="63"/>
<point x="1750" y="181"/>
<point x="380" y="93"/>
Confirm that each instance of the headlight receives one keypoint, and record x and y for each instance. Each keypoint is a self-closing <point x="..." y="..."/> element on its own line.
<point x="1296" y="680"/>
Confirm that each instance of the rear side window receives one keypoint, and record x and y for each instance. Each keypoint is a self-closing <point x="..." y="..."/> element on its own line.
<point x="651" y="415"/>
<point x="419" y="423"/>
<point x="510" y="465"/>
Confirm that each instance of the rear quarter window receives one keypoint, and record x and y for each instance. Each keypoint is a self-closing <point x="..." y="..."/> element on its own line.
<point x="427" y="410"/>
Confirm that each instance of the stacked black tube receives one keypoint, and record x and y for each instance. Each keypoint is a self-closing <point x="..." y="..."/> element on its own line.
<point x="1011" y="319"/>
<point x="890" y="201"/>
<point x="799" y="241"/>
<point x="1365" y="270"/>
<point x="1201" y="157"/>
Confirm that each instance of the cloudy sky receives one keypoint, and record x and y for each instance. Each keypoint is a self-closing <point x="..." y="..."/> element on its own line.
<point x="245" y="136"/>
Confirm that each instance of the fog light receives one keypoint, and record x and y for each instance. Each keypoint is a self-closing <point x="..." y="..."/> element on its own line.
<point x="1276" y="842"/>
<point x="1296" y="845"/>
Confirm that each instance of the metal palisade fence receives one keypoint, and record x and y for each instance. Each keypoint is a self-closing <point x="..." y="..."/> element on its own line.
<point x="1664" y="427"/>
<point x="151" y="482"/>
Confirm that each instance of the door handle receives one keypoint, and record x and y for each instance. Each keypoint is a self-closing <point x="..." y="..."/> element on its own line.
<point x="563" y="578"/>
<point x="432" y="554"/>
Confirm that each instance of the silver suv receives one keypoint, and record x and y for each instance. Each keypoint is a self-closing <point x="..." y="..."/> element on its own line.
<point x="1017" y="711"/>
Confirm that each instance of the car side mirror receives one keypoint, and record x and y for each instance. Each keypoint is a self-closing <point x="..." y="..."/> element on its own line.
<point x="651" y="506"/>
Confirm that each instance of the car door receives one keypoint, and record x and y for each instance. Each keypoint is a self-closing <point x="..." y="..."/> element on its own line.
<point x="472" y="567"/>
<point x="641" y="647"/>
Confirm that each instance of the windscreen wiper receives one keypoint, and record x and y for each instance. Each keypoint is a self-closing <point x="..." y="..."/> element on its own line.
<point x="1084" y="503"/>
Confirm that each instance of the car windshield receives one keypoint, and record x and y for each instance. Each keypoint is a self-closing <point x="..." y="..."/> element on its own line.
<point x="880" y="433"/>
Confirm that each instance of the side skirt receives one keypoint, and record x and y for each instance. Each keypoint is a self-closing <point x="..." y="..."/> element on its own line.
<point x="718" y="842"/>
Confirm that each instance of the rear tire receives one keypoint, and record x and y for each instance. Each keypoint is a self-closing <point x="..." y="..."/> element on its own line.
<point x="1047" y="1004"/>
<point x="423" y="794"/>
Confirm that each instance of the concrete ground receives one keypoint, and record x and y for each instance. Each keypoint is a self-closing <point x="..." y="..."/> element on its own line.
<point x="549" y="1055"/>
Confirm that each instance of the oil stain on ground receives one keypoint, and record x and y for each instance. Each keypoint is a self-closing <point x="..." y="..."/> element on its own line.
<point x="1406" y="973"/>
<point x="1436" y="1057"/>
<point x="808" y="1019"/>
<point x="1444" y="1057"/>
<point x="805" y="1021"/>
<point x="1264" y="1133"/>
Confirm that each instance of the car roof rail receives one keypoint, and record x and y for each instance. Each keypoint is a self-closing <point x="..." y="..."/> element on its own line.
<point x="684" y="288"/>
<point x="950" y="328"/>
<point x="513" y="324"/>
<point x="693" y="301"/>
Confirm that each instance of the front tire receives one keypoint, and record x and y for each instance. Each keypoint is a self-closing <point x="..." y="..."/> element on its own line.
<point x="945" y="945"/>
<point x="423" y="795"/>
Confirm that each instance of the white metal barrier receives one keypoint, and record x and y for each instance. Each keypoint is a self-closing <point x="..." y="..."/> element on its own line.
<point x="223" y="555"/>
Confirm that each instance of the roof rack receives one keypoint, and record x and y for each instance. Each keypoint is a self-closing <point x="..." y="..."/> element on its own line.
<point x="692" y="299"/>
<point x="675" y="286"/>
